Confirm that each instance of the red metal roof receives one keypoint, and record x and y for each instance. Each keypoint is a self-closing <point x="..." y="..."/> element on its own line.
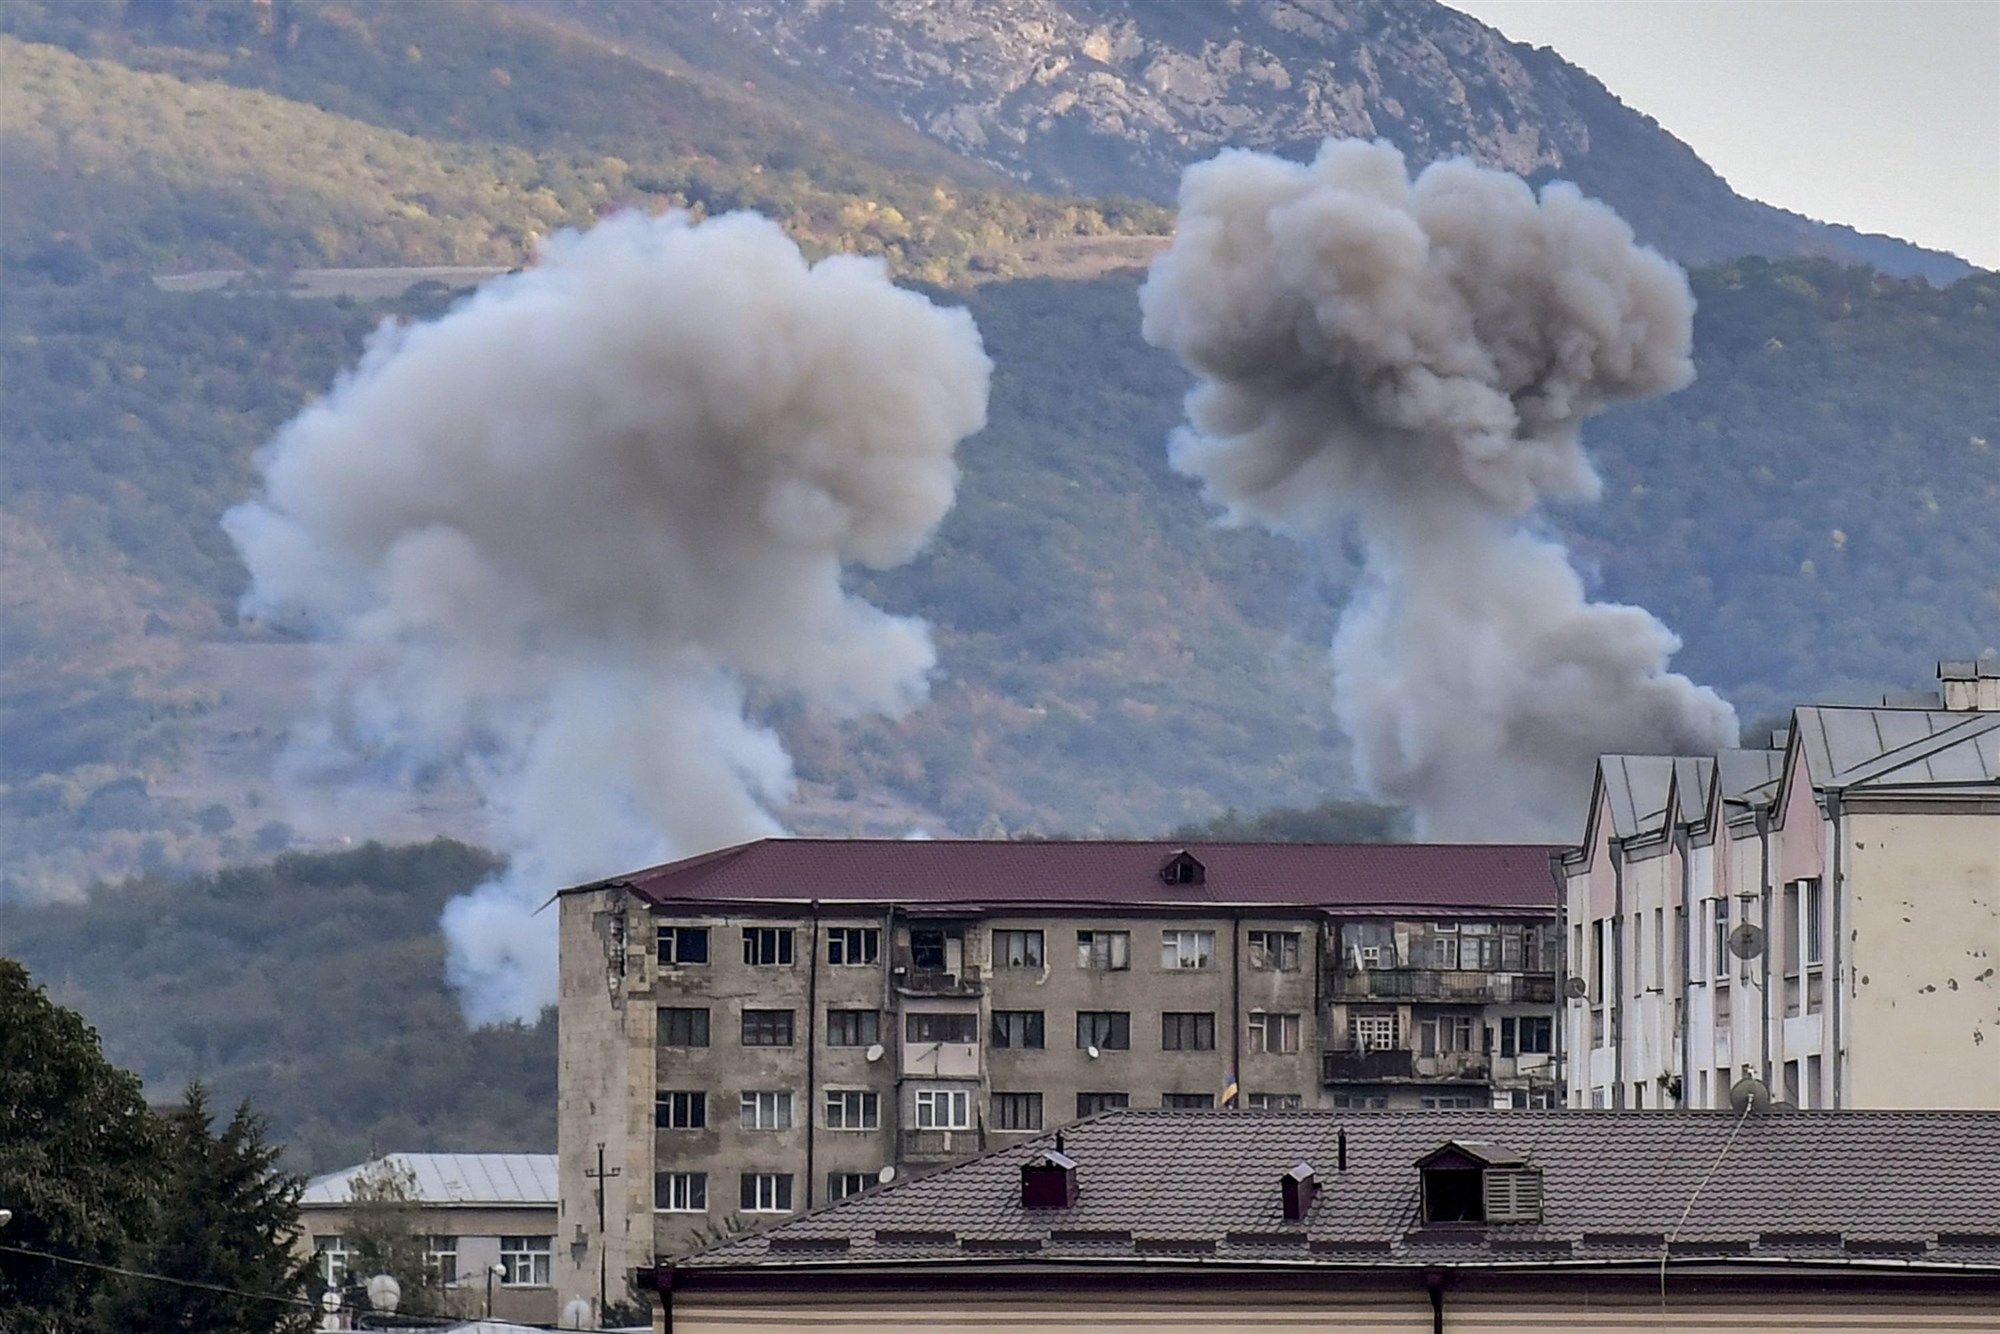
<point x="1491" y="879"/>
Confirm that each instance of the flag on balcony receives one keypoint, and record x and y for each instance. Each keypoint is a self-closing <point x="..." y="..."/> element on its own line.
<point x="1229" y="1091"/>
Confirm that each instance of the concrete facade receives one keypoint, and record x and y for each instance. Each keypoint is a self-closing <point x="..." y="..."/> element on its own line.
<point x="1823" y="916"/>
<point x="899" y="1037"/>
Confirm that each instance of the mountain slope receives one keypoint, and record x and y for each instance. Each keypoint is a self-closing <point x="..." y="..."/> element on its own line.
<point x="1115" y="96"/>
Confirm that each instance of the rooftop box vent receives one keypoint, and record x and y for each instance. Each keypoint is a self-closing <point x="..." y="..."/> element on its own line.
<point x="1468" y="1181"/>
<point x="1183" y="869"/>
<point x="1048" y="1181"/>
<point x="1298" y="1187"/>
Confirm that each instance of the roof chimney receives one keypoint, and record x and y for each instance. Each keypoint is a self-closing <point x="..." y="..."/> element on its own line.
<point x="1970" y="686"/>
<point x="1298" y="1187"/>
<point x="1048" y="1181"/>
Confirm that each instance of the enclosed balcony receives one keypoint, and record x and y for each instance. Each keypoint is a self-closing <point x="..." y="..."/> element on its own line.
<point x="1449" y="986"/>
<point x="1397" y="1065"/>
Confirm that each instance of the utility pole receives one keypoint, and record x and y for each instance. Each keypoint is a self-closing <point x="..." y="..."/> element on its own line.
<point x="599" y="1177"/>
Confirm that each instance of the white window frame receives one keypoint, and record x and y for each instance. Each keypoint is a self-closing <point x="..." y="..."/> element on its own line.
<point x="671" y="1100"/>
<point x="848" y="942"/>
<point x="1284" y="947"/>
<point x="1186" y="950"/>
<point x="852" y="1109"/>
<point x="1274" y="1101"/>
<point x="765" y="1109"/>
<point x="943" y="1108"/>
<point x="782" y="951"/>
<point x="842" y="1185"/>
<point x="672" y="931"/>
<point x="1104" y="951"/>
<point x="1718" y="935"/>
<point x="766" y="1192"/>
<point x="1444" y="952"/>
<point x="1033" y="951"/>
<point x="1371" y="956"/>
<point x="1376" y="1032"/>
<point x="441" y="1258"/>
<point x="330" y="1256"/>
<point x="687" y="1193"/>
<point x="1262" y="1025"/>
<point x="525" y="1262"/>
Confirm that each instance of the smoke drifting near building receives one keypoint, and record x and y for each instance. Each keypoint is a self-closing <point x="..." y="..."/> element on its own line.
<point x="550" y="538"/>
<point x="1409" y="363"/>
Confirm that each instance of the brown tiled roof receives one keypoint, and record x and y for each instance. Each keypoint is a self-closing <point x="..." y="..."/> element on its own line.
<point x="1848" y="1187"/>
<point x="1491" y="879"/>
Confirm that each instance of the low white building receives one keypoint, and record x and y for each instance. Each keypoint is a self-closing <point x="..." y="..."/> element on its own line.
<point x="1823" y="915"/>
<point x="487" y="1215"/>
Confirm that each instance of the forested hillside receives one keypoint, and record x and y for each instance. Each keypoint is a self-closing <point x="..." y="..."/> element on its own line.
<point x="314" y="986"/>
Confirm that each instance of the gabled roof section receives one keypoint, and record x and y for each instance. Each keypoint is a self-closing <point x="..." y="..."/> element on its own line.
<point x="1165" y="1187"/>
<point x="995" y="876"/>
<point x="1472" y="1153"/>
<point x="452" y="1179"/>
<point x="1636" y="787"/>
<point x="1912" y="751"/>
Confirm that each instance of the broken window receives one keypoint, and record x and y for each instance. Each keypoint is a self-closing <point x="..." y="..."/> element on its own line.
<point x="1104" y="951"/>
<point x="1275" y="951"/>
<point x="927" y="949"/>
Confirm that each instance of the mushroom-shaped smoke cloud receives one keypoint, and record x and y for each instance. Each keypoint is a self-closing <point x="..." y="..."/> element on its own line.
<point x="1411" y="361"/>
<point x="549" y="538"/>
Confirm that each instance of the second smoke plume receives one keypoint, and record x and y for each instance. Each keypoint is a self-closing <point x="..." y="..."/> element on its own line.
<point x="1411" y="361"/>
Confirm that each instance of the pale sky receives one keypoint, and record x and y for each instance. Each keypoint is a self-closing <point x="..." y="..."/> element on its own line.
<point x="1882" y="114"/>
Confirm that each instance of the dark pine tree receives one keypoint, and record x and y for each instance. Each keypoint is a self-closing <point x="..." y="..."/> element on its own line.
<point x="220" y="1257"/>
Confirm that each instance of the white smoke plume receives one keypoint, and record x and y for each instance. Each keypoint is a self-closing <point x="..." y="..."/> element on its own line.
<point x="1410" y="362"/>
<point x="550" y="538"/>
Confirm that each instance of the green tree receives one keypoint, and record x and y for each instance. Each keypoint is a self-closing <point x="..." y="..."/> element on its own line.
<point x="224" y="1235"/>
<point x="79" y="1152"/>
<point x="383" y="1218"/>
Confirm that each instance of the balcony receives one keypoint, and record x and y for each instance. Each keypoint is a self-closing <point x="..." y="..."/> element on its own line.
<point x="1449" y="986"/>
<point x="940" y="1146"/>
<point x="914" y="981"/>
<point x="1400" y="1066"/>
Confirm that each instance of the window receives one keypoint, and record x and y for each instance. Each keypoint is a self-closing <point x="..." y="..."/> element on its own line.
<point x="1815" y="920"/>
<point x="680" y="1109"/>
<point x="928" y="949"/>
<point x="1446" y="1033"/>
<point x="932" y="1026"/>
<point x="1107" y="1030"/>
<point x="1017" y="1111"/>
<point x="1275" y="951"/>
<point x="1449" y="1101"/>
<point x="1366" y="1102"/>
<point x="1273" y="1102"/>
<point x="1273" y="1032"/>
<point x="1090" y="1104"/>
<point x="441" y="1259"/>
<point x="1104" y="951"/>
<point x="1719" y="937"/>
<point x="1378" y="1031"/>
<point x="1019" y="1030"/>
<point x="1444" y="952"/>
<point x="853" y="946"/>
<point x="331" y="1255"/>
<point x="1527" y="1035"/>
<point x="768" y="1109"/>
<point x="1789" y="914"/>
<point x="944" y="1109"/>
<point x="853" y="1109"/>
<point x="767" y="1028"/>
<point x="1189" y="1102"/>
<point x="1187" y="1031"/>
<point x="681" y="1026"/>
<point x="1187" y="949"/>
<point x="524" y="1261"/>
<point x="840" y="1185"/>
<point x="1445" y="928"/>
<point x="767" y="1192"/>
<point x="681" y="945"/>
<point x="680" y="1192"/>
<point x="767" y="946"/>
<point x="853" y="1028"/>
<point x="1371" y="956"/>
<point x="1017" y="949"/>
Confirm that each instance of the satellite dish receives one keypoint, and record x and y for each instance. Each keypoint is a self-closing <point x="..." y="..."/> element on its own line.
<point x="1091" y="1052"/>
<point x="887" y="1174"/>
<point x="874" y="1053"/>
<point x="1747" y="941"/>
<point x="329" y="1301"/>
<point x="1575" y="988"/>
<point x="385" y="1293"/>
<point x="1750" y="1094"/>
<point x="576" y="1314"/>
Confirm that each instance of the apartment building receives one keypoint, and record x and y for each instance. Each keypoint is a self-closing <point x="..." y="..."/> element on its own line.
<point x="1823" y="916"/>
<point x="751" y="1033"/>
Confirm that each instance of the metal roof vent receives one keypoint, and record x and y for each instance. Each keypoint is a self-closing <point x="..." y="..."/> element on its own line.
<point x="1183" y="869"/>
<point x="1048" y="1181"/>
<point x="1300" y="1188"/>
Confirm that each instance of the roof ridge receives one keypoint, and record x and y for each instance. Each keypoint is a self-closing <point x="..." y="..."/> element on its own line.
<point x="1973" y="725"/>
